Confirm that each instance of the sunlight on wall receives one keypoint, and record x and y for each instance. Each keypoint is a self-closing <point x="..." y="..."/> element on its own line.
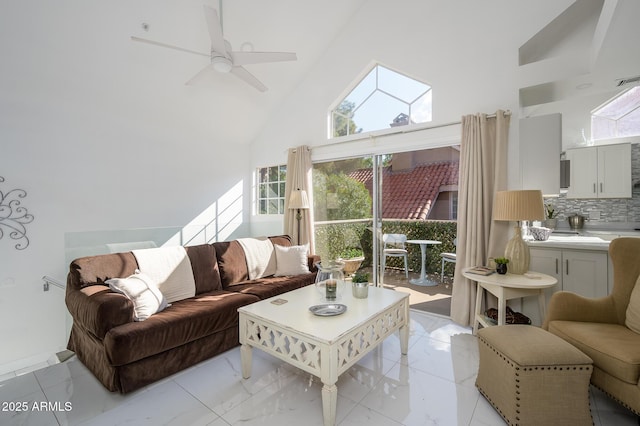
<point x="216" y="223"/>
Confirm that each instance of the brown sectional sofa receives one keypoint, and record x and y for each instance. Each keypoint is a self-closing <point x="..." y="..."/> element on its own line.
<point x="126" y="355"/>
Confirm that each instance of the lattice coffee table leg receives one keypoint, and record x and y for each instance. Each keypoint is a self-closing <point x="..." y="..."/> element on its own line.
<point x="246" y="359"/>
<point x="329" y="404"/>
<point x="404" y="339"/>
<point x="404" y="330"/>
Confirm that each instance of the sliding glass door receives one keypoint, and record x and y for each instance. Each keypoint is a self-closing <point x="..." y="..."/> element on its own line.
<point x="414" y="193"/>
<point x="343" y="210"/>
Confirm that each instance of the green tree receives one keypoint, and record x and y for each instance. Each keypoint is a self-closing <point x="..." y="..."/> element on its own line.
<point x="367" y="162"/>
<point x="336" y="196"/>
<point x="343" y="123"/>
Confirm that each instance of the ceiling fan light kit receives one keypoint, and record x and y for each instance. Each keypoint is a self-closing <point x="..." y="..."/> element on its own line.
<point x="223" y="59"/>
<point x="221" y="64"/>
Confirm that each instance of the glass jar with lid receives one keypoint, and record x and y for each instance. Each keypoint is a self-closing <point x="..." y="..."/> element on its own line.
<point x="330" y="280"/>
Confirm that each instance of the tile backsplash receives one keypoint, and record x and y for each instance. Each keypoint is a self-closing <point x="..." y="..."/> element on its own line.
<point x="611" y="210"/>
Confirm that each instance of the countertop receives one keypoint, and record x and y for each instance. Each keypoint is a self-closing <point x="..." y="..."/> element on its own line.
<point x="583" y="240"/>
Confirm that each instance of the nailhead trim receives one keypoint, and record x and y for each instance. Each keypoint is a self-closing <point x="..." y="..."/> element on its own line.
<point x="517" y="368"/>
<point x="624" y="404"/>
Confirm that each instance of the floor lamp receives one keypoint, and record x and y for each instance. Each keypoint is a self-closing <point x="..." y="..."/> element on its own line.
<point x="298" y="200"/>
<point x="518" y="206"/>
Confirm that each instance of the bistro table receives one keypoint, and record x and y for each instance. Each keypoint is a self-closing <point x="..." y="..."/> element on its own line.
<point x="423" y="280"/>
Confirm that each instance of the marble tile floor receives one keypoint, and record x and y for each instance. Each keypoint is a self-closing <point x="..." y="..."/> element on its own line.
<point x="432" y="385"/>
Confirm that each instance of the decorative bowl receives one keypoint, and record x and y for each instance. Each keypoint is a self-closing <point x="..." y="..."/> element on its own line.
<point x="540" y="233"/>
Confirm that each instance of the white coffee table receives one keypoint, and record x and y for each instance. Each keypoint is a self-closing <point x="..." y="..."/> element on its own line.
<point x="323" y="346"/>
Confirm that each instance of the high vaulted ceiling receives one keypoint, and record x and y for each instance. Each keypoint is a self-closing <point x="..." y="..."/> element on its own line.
<point x="587" y="48"/>
<point x="306" y="28"/>
<point x="90" y="60"/>
<point x="581" y="40"/>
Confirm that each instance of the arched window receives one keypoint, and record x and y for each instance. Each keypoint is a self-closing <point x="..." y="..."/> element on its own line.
<point x="618" y="117"/>
<point x="383" y="98"/>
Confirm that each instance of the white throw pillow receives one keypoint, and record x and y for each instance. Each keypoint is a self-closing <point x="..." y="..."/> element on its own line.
<point x="259" y="255"/>
<point x="633" y="309"/>
<point x="143" y="292"/>
<point x="170" y="269"/>
<point x="291" y="260"/>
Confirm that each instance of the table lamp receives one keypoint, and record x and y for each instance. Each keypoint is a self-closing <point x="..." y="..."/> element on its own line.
<point x="518" y="206"/>
<point x="298" y="200"/>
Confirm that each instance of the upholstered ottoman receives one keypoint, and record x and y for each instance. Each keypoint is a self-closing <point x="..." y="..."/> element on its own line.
<point x="533" y="377"/>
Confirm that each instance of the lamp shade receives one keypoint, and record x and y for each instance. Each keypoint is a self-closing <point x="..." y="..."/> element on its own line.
<point x="298" y="199"/>
<point x="518" y="205"/>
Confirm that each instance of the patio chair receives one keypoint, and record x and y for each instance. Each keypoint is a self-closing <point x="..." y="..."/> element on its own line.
<point x="447" y="257"/>
<point x="394" y="246"/>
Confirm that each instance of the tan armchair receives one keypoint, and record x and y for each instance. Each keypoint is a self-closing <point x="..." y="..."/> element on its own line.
<point x="597" y="327"/>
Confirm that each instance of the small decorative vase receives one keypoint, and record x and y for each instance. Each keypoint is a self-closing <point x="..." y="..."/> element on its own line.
<point x="501" y="268"/>
<point x="330" y="280"/>
<point x="360" y="290"/>
<point x="551" y="223"/>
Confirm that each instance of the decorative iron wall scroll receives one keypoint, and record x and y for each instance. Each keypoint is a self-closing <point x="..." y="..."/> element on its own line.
<point x="14" y="217"/>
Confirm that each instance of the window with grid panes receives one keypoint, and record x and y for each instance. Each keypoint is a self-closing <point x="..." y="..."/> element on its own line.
<point x="383" y="98"/>
<point x="271" y="182"/>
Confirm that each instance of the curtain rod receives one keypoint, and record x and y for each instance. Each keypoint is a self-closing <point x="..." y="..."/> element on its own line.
<point x="506" y="114"/>
<point x="400" y="130"/>
<point x="304" y="146"/>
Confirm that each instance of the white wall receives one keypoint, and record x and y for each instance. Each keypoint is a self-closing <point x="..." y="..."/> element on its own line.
<point x="456" y="46"/>
<point x="102" y="135"/>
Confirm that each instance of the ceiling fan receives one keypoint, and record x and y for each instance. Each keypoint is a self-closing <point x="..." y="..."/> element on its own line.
<point x="223" y="59"/>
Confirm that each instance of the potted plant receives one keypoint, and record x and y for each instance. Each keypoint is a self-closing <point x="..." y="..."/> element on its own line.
<point x="352" y="258"/>
<point x="360" y="284"/>
<point x="552" y="220"/>
<point x="360" y="277"/>
<point x="501" y="265"/>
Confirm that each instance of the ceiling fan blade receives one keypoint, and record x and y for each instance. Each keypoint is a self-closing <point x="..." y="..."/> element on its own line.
<point x="202" y="75"/>
<point x="244" y="58"/>
<point x="215" y="30"/>
<point x="245" y="75"/>
<point x="170" y="46"/>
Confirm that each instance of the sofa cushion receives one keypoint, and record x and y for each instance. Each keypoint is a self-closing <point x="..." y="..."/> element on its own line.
<point x="170" y="268"/>
<point x="260" y="256"/>
<point x="273" y="286"/>
<point x="91" y="270"/>
<point x="281" y="240"/>
<point x="614" y="348"/>
<point x="205" y="268"/>
<point x="231" y="261"/>
<point x="292" y="260"/>
<point x="145" y="295"/>
<point x="632" y="319"/>
<point x="182" y="322"/>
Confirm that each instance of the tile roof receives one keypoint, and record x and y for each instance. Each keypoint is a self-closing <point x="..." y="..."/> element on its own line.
<point x="410" y="194"/>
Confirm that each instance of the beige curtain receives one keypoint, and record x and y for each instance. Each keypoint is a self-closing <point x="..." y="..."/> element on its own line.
<point x="299" y="177"/>
<point x="483" y="171"/>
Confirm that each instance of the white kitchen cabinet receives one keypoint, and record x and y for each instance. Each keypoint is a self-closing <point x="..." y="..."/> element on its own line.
<point x="600" y="171"/>
<point x="584" y="272"/>
<point x="540" y="146"/>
